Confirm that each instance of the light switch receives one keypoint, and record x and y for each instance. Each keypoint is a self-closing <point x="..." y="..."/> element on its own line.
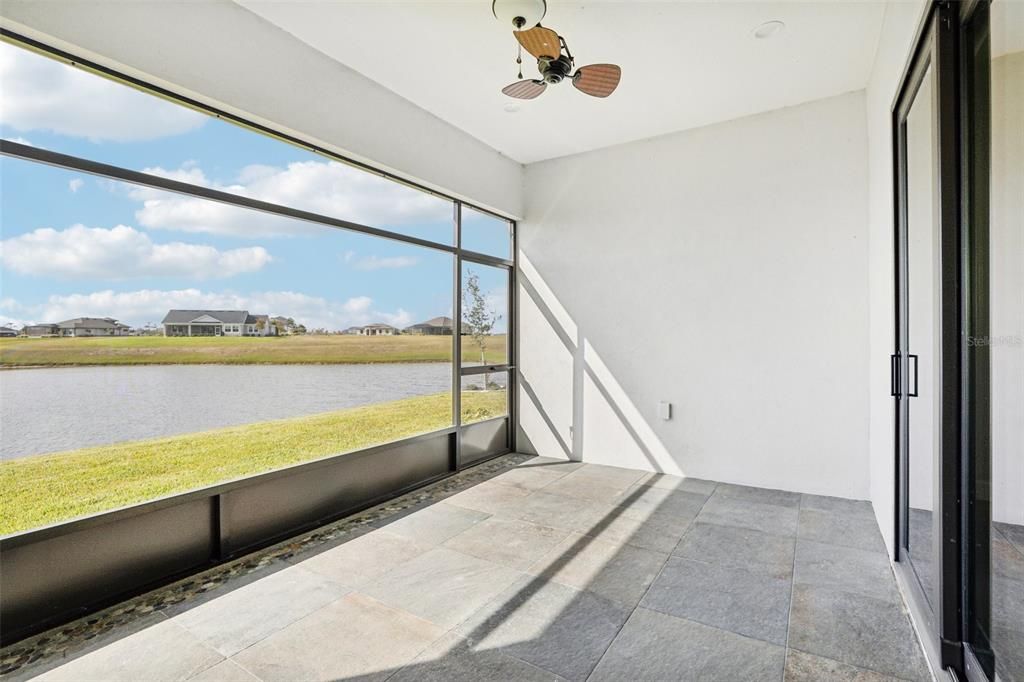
<point x="665" y="410"/>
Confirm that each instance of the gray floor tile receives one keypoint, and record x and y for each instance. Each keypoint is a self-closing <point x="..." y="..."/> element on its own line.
<point x="781" y="498"/>
<point x="101" y="640"/>
<point x="491" y="498"/>
<point x="452" y="659"/>
<point x="240" y="618"/>
<point x="1009" y="650"/>
<point x="751" y="602"/>
<point x="355" y="636"/>
<point x="550" y="625"/>
<point x="767" y="518"/>
<point x="225" y="671"/>
<point x="609" y="475"/>
<point x="655" y="646"/>
<point x="735" y="546"/>
<point x="1007" y="560"/>
<point x="436" y="523"/>
<point x="442" y="586"/>
<point x="165" y="651"/>
<point x="804" y="667"/>
<point x="363" y="558"/>
<point x="837" y="505"/>
<point x="620" y="573"/>
<point x="1012" y="532"/>
<point x="845" y="568"/>
<point x="857" y="630"/>
<point x="507" y="542"/>
<point x="559" y="511"/>
<point x="1008" y="603"/>
<point x="641" y="501"/>
<point x="440" y="597"/>
<point x="580" y="485"/>
<point x="551" y="464"/>
<point x="227" y="587"/>
<point x="531" y="477"/>
<point x="657" y="532"/>
<point x="680" y="483"/>
<point x="859" y="532"/>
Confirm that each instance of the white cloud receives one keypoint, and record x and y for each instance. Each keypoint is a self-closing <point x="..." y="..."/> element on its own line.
<point x="42" y="94"/>
<point x="368" y="263"/>
<point x="326" y="187"/>
<point x="12" y="314"/>
<point x="150" y="305"/>
<point x="19" y="140"/>
<point x="119" y="253"/>
<point x="75" y="184"/>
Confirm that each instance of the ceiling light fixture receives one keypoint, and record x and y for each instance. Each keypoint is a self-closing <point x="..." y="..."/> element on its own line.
<point x="768" y="29"/>
<point x="520" y="14"/>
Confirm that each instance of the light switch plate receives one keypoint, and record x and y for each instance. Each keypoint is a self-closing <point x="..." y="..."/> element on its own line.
<point x="665" y="410"/>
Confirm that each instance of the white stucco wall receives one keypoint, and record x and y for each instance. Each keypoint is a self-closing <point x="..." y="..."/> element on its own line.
<point x="722" y="269"/>
<point x="1007" y="286"/>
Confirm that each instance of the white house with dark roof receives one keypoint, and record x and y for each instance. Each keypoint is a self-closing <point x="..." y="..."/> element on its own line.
<point x="378" y="329"/>
<point x="216" y="323"/>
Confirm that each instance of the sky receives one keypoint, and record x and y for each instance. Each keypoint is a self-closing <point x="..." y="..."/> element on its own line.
<point x="74" y="245"/>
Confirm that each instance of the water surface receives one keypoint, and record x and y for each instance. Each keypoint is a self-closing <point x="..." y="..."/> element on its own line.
<point x="64" y="408"/>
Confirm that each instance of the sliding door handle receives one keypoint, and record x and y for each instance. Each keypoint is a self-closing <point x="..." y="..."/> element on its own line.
<point x="913" y="359"/>
<point x="894" y="375"/>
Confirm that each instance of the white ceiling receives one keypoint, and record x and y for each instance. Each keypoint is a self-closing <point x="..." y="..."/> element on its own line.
<point x="684" y="64"/>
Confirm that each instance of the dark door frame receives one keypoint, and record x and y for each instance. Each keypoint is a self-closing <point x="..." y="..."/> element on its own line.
<point x="974" y="31"/>
<point x="937" y="46"/>
<point x="953" y="39"/>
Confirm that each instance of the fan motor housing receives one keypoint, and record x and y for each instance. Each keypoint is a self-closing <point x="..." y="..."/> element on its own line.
<point x="554" y="70"/>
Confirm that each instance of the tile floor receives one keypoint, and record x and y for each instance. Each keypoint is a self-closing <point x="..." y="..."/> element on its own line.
<point x="550" y="570"/>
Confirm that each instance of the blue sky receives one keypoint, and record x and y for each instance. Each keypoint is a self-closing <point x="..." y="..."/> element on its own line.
<point x="76" y="245"/>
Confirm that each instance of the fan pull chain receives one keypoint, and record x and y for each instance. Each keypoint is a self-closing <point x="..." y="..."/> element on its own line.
<point x="519" y="60"/>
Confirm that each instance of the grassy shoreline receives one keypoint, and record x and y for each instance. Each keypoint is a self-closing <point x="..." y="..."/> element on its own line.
<point x="43" y="489"/>
<point x="288" y="350"/>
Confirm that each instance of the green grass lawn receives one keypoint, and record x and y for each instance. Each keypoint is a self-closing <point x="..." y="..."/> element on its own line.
<point x="44" y="489"/>
<point x="308" y="349"/>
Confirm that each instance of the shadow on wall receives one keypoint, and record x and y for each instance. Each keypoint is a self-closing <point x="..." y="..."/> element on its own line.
<point x="562" y="408"/>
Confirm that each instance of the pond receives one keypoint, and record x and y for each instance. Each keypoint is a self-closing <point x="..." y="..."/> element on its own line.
<point x="55" y="409"/>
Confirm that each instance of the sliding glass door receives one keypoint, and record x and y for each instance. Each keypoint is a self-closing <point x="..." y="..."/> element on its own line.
<point x="925" y="363"/>
<point x="958" y="369"/>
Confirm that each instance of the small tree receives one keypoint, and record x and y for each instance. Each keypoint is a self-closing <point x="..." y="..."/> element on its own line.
<point x="479" y="317"/>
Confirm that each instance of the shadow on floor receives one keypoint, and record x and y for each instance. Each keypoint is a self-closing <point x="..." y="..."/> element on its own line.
<point x="630" y="575"/>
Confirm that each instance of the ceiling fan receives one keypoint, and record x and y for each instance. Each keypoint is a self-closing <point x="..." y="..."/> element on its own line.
<point x="554" y="60"/>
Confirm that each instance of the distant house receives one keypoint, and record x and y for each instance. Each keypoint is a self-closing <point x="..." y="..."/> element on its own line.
<point x="378" y="330"/>
<point x="38" y="331"/>
<point x="286" y="325"/>
<point x="439" y="326"/>
<point x="79" y="327"/>
<point x="92" y="326"/>
<point x="7" y="332"/>
<point x="216" y="323"/>
<point x="352" y="330"/>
